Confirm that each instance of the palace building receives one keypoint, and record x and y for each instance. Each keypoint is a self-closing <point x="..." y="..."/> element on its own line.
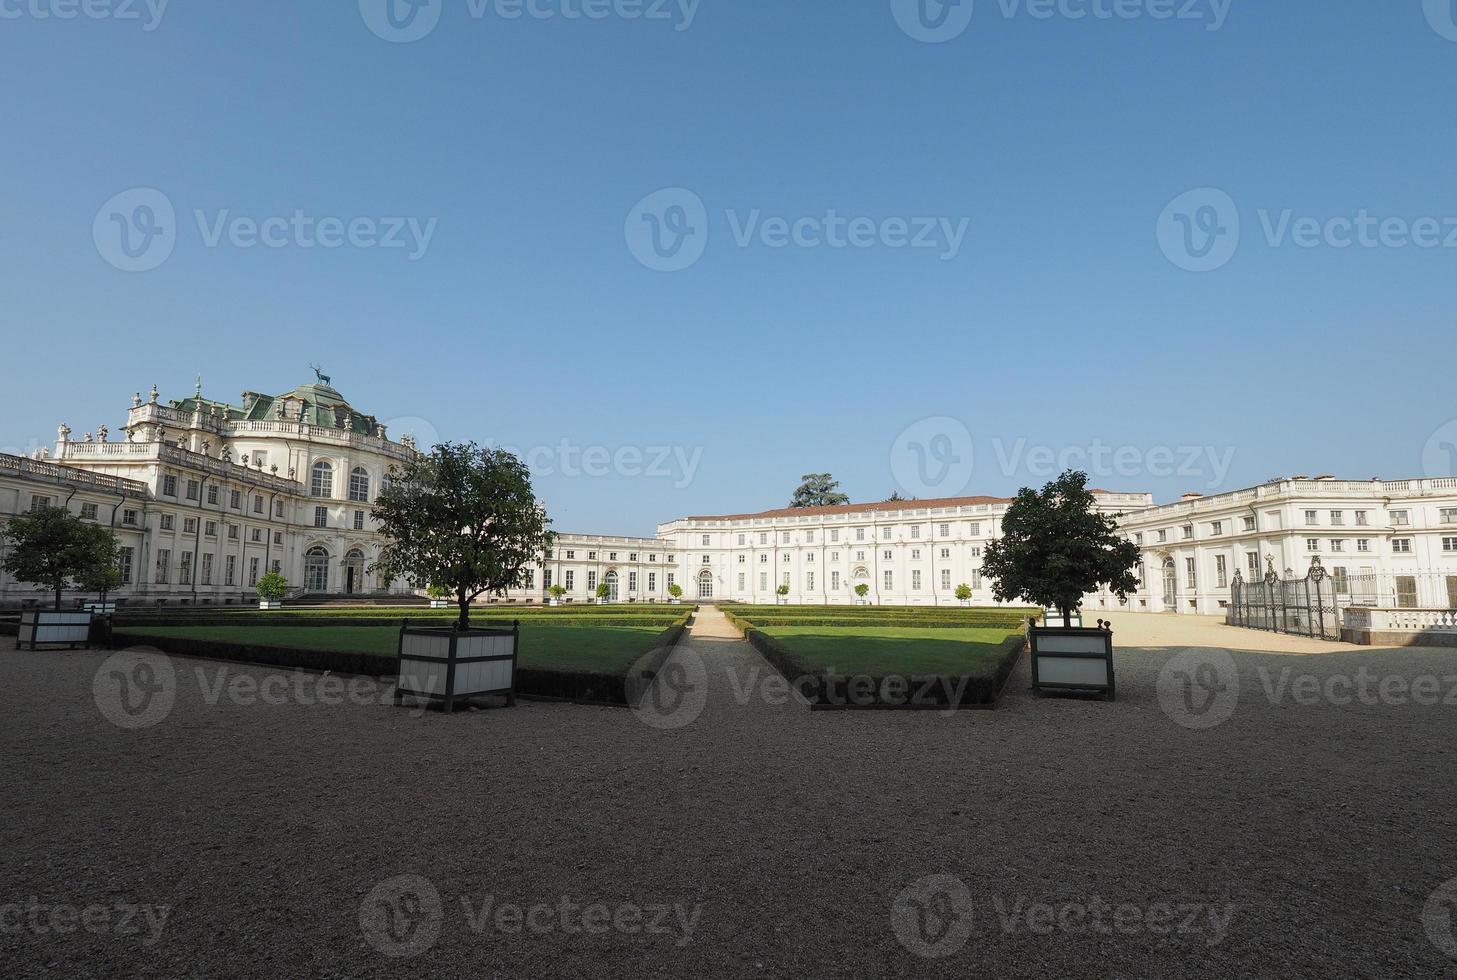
<point x="206" y="496"/>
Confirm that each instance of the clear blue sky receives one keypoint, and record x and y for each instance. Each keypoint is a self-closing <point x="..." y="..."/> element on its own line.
<point x="528" y="320"/>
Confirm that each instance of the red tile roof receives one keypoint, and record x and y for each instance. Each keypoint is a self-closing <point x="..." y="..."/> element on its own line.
<point x="884" y="505"/>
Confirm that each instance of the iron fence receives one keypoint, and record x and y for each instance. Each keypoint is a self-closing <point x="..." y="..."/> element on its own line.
<point x="1303" y="606"/>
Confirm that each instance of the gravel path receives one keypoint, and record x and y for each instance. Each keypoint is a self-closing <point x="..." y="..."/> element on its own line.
<point x="725" y="831"/>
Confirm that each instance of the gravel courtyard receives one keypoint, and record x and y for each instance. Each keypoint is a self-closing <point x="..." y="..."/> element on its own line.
<point x="1284" y="809"/>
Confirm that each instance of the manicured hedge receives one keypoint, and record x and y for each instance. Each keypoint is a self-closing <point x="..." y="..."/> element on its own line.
<point x="889" y="691"/>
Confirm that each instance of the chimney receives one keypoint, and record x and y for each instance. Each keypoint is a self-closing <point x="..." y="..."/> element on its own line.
<point x="1191" y="496"/>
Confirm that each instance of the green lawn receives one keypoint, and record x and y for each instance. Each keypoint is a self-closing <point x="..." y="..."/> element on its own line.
<point x="878" y="651"/>
<point x="606" y="649"/>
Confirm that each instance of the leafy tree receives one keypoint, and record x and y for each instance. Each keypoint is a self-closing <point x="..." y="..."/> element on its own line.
<point x="963" y="592"/>
<point x="557" y="591"/>
<point x="782" y="591"/>
<point x="862" y="590"/>
<point x="437" y="592"/>
<point x="896" y="497"/>
<point x="675" y="590"/>
<point x="603" y="591"/>
<point x="52" y="547"/>
<point x="818" y="490"/>
<point x="1056" y="548"/>
<point x="272" y="587"/>
<point x="103" y="573"/>
<point x="462" y="517"/>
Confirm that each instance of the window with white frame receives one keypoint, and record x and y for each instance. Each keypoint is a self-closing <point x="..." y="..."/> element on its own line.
<point x="1363" y="544"/>
<point x="1362" y="518"/>
<point x="1448" y="515"/>
<point x="1401" y="546"/>
<point x="1338" y="518"/>
<point x="1400" y="518"/>
<point x="1312" y="517"/>
<point x="359" y="520"/>
<point x="321" y="480"/>
<point x="189" y="525"/>
<point x="885" y="533"/>
<point x="834" y="581"/>
<point x="860" y="534"/>
<point x="359" y="484"/>
<point x="164" y="564"/>
<point x="944" y="530"/>
<point x="88" y="512"/>
<point x="169" y="485"/>
<point x="1221" y="571"/>
<point x="809" y="581"/>
<point x="1449" y="544"/>
<point x="889" y="580"/>
<point x="212" y="495"/>
<point x="1338" y="544"/>
<point x="915" y="580"/>
<point x="1312" y="544"/>
<point x="321" y="517"/>
<point x="945" y="578"/>
<point x="194" y="490"/>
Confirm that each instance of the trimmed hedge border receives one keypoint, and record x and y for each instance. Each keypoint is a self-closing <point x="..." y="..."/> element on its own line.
<point x="823" y="695"/>
<point x="391" y="621"/>
<point x="578" y="686"/>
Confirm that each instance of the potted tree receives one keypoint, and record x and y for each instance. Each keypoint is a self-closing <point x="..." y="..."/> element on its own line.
<point x="51" y="547"/>
<point x="963" y="594"/>
<point x="102" y="579"/>
<point x="862" y="590"/>
<point x="557" y="591"/>
<point x="1056" y="548"/>
<point x="271" y="589"/>
<point x="676" y="592"/>
<point x="464" y="518"/>
<point x="439" y="597"/>
<point x="781" y="592"/>
<point x="603" y="591"/>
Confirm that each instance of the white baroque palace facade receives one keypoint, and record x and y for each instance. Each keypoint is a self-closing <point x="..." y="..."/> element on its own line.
<point x="207" y="496"/>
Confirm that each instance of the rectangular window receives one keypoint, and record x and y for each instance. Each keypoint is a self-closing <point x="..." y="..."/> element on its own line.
<point x="915" y="553"/>
<point x="976" y="578"/>
<point x="885" y="533"/>
<point x="193" y="489"/>
<point x="1216" y="528"/>
<point x="1340" y="580"/>
<point x="706" y="540"/>
<point x="278" y="509"/>
<point x="278" y="537"/>
<point x="230" y="570"/>
<point x="763" y="581"/>
<point x="786" y="578"/>
<point x="742" y="559"/>
<point x="1249" y="523"/>
<point x="888" y="555"/>
<point x="708" y="559"/>
<point x="741" y="581"/>
<point x="256" y="536"/>
<point x="632" y="581"/>
<point x="1406" y="592"/>
<point x="168" y="522"/>
<point x="1312" y="517"/>
<point x="742" y="538"/>
<point x="784" y="537"/>
<point x="1363" y="544"/>
<point x="189" y="525"/>
<point x="1400" y="518"/>
<point x="1449" y="544"/>
<point x="763" y="537"/>
<point x="809" y="581"/>
<point x="809" y="537"/>
<point x="88" y="512"/>
<point x="359" y="520"/>
<point x="1163" y="536"/>
<point x="1338" y="518"/>
<point x="1189" y="570"/>
<point x="38" y="502"/>
<point x="592" y="581"/>
<point x="915" y="532"/>
<point x="210" y="528"/>
<point x="232" y="532"/>
<point x="235" y="499"/>
<point x="569" y="582"/>
<point x="207" y="569"/>
<point x="1401" y="546"/>
<point x="1188" y="531"/>
<point x="184" y="569"/>
<point x="321" y="517"/>
<point x="252" y="572"/>
<point x="164" y="564"/>
<point x="1312" y="544"/>
<point x="591" y="556"/>
<point x="129" y="518"/>
<point x="1448" y="515"/>
<point x="1252" y="562"/>
<point x="834" y="581"/>
<point x="652" y="581"/>
<point x="916" y="580"/>
<point x="1361" y="518"/>
<point x="212" y="495"/>
<point x="124" y="564"/>
<point x="169" y="485"/>
<point x="834" y="535"/>
<point x="763" y="558"/>
<point x="786" y="558"/>
<point x="945" y="578"/>
<point x="945" y="530"/>
<point x="1221" y="571"/>
<point x="571" y="556"/>
<point x="257" y="505"/>
<point x="1338" y="544"/>
<point x="888" y="580"/>
<point x="860" y="534"/>
<point x="975" y="529"/>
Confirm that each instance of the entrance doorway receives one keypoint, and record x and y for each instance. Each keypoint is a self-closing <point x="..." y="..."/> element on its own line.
<point x="1171" y="586"/>
<point x="611" y="582"/>
<point x="354" y="571"/>
<point x="316" y="569"/>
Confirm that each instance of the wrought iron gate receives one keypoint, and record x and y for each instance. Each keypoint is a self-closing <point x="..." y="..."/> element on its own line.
<point x="1301" y="606"/>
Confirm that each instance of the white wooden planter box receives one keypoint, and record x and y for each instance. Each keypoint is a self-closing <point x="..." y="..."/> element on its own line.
<point x="446" y="664"/>
<point x="52" y="627"/>
<point x="270" y="604"/>
<point x="1072" y="659"/>
<point x="100" y="608"/>
<point x="554" y="602"/>
<point x="439" y="603"/>
<point x="1052" y="619"/>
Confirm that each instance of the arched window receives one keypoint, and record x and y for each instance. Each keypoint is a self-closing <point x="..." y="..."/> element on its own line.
<point x="359" y="484"/>
<point x="322" y="481"/>
<point x="705" y="585"/>
<point x="316" y="569"/>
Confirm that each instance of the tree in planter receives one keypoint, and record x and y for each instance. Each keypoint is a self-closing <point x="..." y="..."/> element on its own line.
<point x="603" y="591"/>
<point x="782" y="591"/>
<point x="272" y="587"/>
<point x="1056" y="548"/>
<point x="818" y="490"/>
<point x="54" y="548"/>
<point x="963" y="592"/>
<point x="557" y="591"/>
<point x="862" y="590"/>
<point x="462" y="517"/>
<point x="104" y="574"/>
<point x="675" y="590"/>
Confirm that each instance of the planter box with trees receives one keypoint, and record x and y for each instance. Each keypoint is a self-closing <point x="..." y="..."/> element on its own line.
<point x="54" y="548"/>
<point x="1071" y="658"/>
<point x="271" y="589"/>
<point x="448" y="665"/>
